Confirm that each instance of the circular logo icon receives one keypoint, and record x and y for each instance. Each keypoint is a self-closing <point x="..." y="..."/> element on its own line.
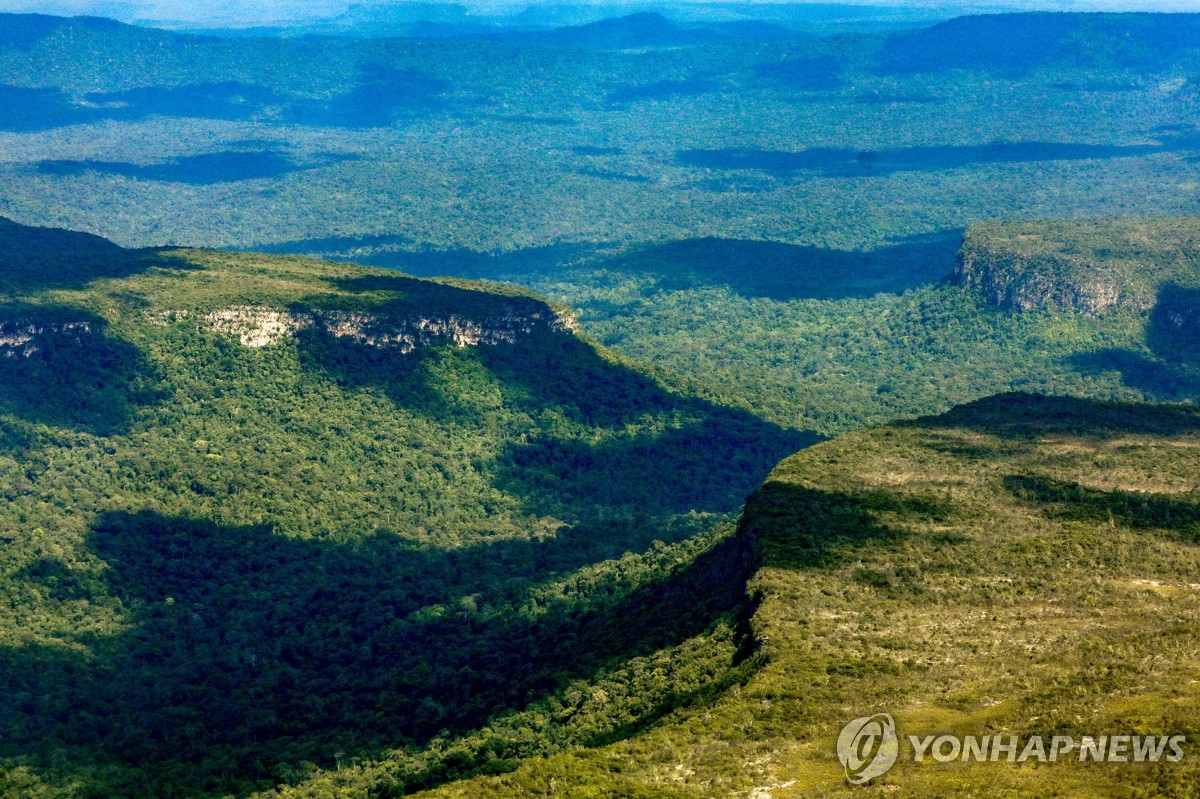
<point x="868" y="747"/>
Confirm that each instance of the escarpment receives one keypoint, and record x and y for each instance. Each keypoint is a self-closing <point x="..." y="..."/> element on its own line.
<point x="1089" y="267"/>
<point x="262" y="326"/>
<point x="1024" y="281"/>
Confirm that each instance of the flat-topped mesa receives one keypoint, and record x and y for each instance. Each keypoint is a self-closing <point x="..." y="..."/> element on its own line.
<point x="260" y="326"/>
<point x="371" y="307"/>
<point x="1090" y="267"/>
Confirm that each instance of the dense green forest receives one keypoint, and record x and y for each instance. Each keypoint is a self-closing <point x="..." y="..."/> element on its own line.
<point x="264" y="515"/>
<point x="366" y="148"/>
<point x="273" y="522"/>
<point x="700" y="197"/>
<point x="468" y="519"/>
<point x="1098" y="308"/>
<point x="834" y="366"/>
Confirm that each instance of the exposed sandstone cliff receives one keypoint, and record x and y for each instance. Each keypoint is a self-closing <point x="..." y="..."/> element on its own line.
<point x="1024" y="281"/>
<point x="260" y="326"/>
<point x="1092" y="267"/>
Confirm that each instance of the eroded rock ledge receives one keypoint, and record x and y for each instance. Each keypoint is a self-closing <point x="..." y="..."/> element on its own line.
<point x="1090" y="267"/>
<point x="21" y="337"/>
<point x="1027" y="281"/>
<point x="261" y="326"/>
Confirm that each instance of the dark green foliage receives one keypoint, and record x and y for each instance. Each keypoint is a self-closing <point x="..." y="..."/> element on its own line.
<point x="1169" y="370"/>
<point x="236" y="562"/>
<point x="59" y="366"/>
<point x="248" y="652"/>
<point x="43" y="258"/>
<point x="1019" y="416"/>
<point x="816" y="521"/>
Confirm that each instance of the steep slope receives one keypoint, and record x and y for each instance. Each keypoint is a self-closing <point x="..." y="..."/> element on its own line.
<point x="264" y="515"/>
<point x="1089" y="266"/>
<point x="1019" y="566"/>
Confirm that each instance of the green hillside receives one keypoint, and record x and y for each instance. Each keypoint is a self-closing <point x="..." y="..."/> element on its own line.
<point x="402" y="532"/>
<point x="263" y="515"/>
<point x="1018" y="566"/>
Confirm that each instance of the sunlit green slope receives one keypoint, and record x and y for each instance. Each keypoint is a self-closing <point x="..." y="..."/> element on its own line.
<point x="1018" y="566"/>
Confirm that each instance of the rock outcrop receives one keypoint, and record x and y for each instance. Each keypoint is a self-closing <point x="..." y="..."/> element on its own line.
<point x="24" y="337"/>
<point x="1089" y="267"/>
<point x="1025" y="281"/>
<point x="260" y="326"/>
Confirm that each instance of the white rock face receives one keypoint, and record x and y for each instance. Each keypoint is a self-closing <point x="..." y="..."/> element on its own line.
<point x="20" y="338"/>
<point x="259" y="326"/>
<point x="254" y="326"/>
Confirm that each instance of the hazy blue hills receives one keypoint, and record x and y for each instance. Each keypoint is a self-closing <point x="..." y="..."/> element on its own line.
<point x="646" y="29"/>
<point x="1015" y="44"/>
<point x="452" y="20"/>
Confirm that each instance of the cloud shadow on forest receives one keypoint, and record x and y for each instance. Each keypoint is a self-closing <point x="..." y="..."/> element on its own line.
<point x="1021" y="416"/>
<point x="379" y="95"/>
<point x="249" y="654"/>
<point x="1169" y="372"/>
<point x="766" y="269"/>
<point x="1139" y="510"/>
<point x="843" y="162"/>
<point x="227" y="166"/>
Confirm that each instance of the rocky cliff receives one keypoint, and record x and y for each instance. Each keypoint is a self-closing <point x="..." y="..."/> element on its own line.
<point x="262" y="326"/>
<point x="1091" y="267"/>
<point x="22" y="337"/>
